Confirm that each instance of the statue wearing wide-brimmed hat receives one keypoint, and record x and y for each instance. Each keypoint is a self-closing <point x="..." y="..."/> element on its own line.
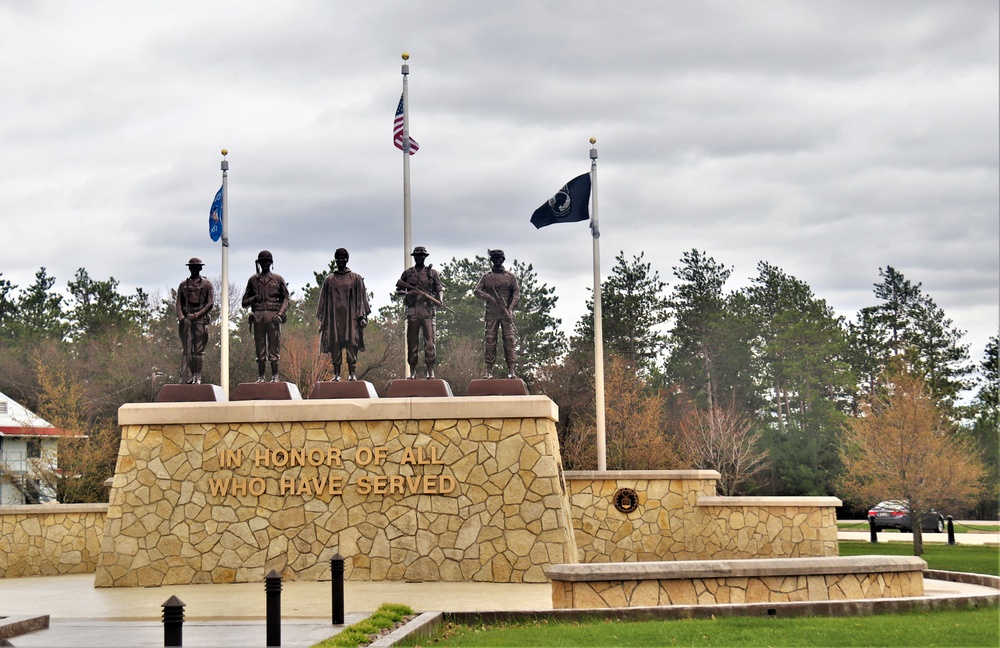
<point x="195" y="299"/>
<point x="422" y="289"/>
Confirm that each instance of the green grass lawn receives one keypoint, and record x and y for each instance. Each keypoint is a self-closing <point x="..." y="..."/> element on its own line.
<point x="973" y="627"/>
<point x="386" y="617"/>
<point x="979" y="559"/>
<point x="977" y="627"/>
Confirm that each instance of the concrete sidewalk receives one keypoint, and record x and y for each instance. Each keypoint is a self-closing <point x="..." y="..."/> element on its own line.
<point x="929" y="538"/>
<point x="233" y="614"/>
<point x="102" y="632"/>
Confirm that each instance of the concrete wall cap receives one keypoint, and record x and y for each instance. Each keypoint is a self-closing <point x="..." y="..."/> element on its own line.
<point x="683" y="569"/>
<point x="52" y="509"/>
<point x="769" y="501"/>
<point x="593" y="475"/>
<point x="346" y="409"/>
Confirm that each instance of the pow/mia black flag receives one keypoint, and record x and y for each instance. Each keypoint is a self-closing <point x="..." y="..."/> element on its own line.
<point x="569" y="205"/>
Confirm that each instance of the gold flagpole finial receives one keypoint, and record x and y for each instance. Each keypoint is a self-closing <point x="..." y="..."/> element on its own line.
<point x="593" y="140"/>
<point x="225" y="152"/>
<point x="406" y="56"/>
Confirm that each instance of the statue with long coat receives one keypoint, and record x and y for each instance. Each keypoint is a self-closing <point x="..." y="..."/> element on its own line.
<point x="343" y="314"/>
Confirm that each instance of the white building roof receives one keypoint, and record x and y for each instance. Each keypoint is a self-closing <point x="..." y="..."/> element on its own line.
<point x="18" y="420"/>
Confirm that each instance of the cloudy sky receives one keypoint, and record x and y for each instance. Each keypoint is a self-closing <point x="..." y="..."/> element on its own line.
<point x="829" y="138"/>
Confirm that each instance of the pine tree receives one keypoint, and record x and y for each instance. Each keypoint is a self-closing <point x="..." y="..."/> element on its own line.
<point x="983" y="423"/>
<point x="705" y="357"/>
<point x="909" y="325"/>
<point x="803" y="380"/>
<point x="40" y="313"/>
<point x="634" y="309"/>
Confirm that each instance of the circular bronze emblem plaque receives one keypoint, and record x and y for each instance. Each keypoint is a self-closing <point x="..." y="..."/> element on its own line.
<point x="626" y="500"/>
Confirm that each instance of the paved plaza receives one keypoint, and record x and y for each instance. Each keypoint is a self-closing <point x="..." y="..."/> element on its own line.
<point x="233" y="614"/>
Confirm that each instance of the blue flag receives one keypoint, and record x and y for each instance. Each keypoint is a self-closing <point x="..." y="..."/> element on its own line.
<point x="215" y="217"/>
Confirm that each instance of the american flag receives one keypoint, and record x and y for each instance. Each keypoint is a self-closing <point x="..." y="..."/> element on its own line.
<point x="397" y="130"/>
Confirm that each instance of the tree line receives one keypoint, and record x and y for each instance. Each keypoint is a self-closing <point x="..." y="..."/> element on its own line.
<point x="761" y="383"/>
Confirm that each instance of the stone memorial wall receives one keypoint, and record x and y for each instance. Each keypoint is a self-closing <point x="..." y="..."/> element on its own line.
<point x="406" y="489"/>
<point x="677" y="516"/>
<point x="50" y="539"/>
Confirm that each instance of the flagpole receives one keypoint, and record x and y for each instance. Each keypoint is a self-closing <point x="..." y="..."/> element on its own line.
<point x="224" y="328"/>
<point x="602" y="461"/>
<point x="405" y="70"/>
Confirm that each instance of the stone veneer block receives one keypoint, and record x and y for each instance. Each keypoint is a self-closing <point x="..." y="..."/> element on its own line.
<point x="434" y="489"/>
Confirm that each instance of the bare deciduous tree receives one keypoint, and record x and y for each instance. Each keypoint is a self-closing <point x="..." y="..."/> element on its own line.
<point x="722" y="438"/>
<point x="301" y="361"/>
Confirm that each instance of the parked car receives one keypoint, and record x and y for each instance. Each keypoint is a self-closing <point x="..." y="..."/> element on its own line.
<point x="895" y="514"/>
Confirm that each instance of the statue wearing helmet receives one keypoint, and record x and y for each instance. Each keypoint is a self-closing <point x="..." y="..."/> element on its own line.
<point x="267" y="298"/>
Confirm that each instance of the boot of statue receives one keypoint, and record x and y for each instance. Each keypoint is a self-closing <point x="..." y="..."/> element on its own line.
<point x="489" y="372"/>
<point x="274" y="372"/>
<point x="430" y="372"/>
<point x="352" y="374"/>
<point x="413" y="373"/>
<point x="336" y="373"/>
<point x="260" y="372"/>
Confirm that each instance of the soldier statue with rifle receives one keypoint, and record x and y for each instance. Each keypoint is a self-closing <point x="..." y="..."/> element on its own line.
<point x="194" y="302"/>
<point x="422" y="290"/>
<point x="499" y="289"/>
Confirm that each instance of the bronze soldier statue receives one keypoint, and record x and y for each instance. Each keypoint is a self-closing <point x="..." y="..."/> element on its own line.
<point x="422" y="287"/>
<point x="267" y="298"/>
<point x="343" y="314"/>
<point x="194" y="302"/>
<point x="499" y="289"/>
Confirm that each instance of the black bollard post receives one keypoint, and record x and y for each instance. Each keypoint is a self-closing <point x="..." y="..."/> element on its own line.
<point x="272" y="588"/>
<point x="951" y="530"/>
<point x="337" y="588"/>
<point x="173" y="622"/>
<point x="871" y="528"/>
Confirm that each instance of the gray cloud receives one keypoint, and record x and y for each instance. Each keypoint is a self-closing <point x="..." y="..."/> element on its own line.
<point x="827" y="138"/>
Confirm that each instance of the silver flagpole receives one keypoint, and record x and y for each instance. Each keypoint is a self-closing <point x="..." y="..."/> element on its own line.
<point x="602" y="455"/>
<point x="406" y="182"/>
<point x="224" y="332"/>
